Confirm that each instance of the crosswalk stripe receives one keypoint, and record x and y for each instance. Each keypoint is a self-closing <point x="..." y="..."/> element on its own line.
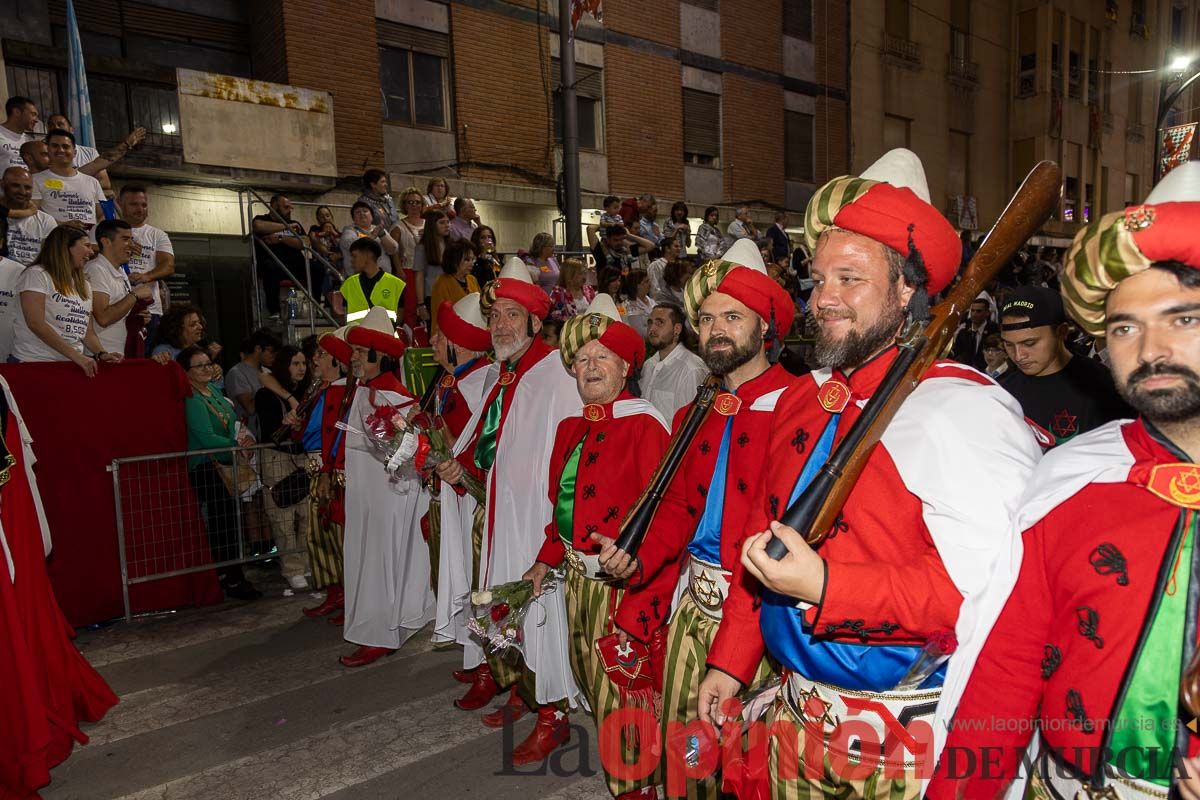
<point x="173" y="703"/>
<point x="341" y="757"/>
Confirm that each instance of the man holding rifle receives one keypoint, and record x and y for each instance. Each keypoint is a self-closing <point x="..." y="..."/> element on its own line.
<point x="861" y="627"/>
<point x="1093" y="640"/>
<point x="696" y="536"/>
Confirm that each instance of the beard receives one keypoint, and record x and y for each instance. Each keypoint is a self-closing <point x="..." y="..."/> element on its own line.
<point x="725" y="362"/>
<point x="857" y="346"/>
<point x="1163" y="405"/>
<point x="509" y="346"/>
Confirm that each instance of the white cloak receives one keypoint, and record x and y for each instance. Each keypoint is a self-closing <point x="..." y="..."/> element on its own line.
<point x="388" y="597"/>
<point x="519" y="509"/>
<point x="27" y="452"/>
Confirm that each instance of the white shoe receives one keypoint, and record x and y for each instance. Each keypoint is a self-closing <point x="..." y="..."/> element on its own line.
<point x="297" y="582"/>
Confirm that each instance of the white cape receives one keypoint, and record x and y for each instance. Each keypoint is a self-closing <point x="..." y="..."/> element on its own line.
<point x="519" y="507"/>
<point x="388" y="597"/>
<point x="27" y="451"/>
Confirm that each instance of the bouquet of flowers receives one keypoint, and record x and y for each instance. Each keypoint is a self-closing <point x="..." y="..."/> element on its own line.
<point x="495" y="616"/>
<point x="936" y="651"/>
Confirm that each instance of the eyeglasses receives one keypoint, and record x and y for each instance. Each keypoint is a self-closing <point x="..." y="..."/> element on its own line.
<point x="412" y="202"/>
<point x="205" y="365"/>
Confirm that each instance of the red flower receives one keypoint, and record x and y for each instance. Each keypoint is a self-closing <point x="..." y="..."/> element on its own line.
<point x="499" y="611"/>
<point x="942" y="643"/>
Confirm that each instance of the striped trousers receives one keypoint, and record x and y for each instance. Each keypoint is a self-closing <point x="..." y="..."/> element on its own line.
<point x="433" y="519"/>
<point x="324" y="547"/>
<point x="689" y="638"/>
<point x="589" y="604"/>
<point x="831" y="783"/>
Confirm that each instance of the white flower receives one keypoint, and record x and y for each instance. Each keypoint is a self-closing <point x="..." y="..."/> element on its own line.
<point x="481" y="598"/>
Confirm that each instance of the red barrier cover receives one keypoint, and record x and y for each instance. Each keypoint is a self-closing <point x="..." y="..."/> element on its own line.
<point x="79" y="425"/>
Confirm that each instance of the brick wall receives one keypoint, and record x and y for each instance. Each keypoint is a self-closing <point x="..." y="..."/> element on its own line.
<point x="342" y="59"/>
<point x="643" y="132"/>
<point x="752" y="139"/>
<point x="502" y="95"/>
<point x="829" y="38"/>
<point x="752" y="33"/>
<point x="268" y="48"/>
<point x="656" y="20"/>
<point x="832" y="157"/>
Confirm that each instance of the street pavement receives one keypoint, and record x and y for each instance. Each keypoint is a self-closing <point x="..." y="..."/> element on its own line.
<point x="247" y="701"/>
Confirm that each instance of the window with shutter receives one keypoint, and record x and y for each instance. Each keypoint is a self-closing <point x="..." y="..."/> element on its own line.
<point x="701" y="127"/>
<point x="589" y="97"/>
<point x="798" y="19"/>
<point x="413" y="74"/>
<point x="798" y="146"/>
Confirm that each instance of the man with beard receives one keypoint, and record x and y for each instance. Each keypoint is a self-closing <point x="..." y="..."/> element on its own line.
<point x="507" y="445"/>
<point x="670" y="376"/>
<point x="1092" y="641"/>
<point x="603" y="455"/>
<point x="386" y="563"/>
<point x="924" y="527"/>
<point x="696" y="535"/>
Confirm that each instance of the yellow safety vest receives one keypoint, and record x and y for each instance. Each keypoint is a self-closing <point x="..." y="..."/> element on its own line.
<point x="386" y="294"/>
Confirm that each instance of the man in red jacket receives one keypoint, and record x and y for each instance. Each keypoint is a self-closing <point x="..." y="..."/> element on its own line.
<point x="603" y="455"/>
<point x="1091" y="645"/>
<point x="694" y="541"/>
<point x="913" y="548"/>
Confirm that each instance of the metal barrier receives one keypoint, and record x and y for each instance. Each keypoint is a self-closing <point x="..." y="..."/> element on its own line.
<point x="182" y="513"/>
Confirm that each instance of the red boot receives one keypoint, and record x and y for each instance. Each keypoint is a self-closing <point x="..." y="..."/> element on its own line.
<point x="335" y="599"/>
<point x="336" y="619"/>
<point x="512" y="710"/>
<point x="482" y="690"/>
<point x="464" y="675"/>
<point x="552" y="729"/>
<point x="365" y="655"/>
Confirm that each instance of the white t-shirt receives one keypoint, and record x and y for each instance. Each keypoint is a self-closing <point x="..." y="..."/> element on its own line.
<point x="25" y="236"/>
<point x="85" y="155"/>
<point x="10" y="148"/>
<point x="10" y="306"/>
<point x="66" y="313"/>
<point x="67" y="199"/>
<point x="148" y="240"/>
<point x="112" y="281"/>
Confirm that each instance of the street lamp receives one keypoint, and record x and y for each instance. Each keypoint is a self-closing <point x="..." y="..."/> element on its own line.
<point x="1179" y="65"/>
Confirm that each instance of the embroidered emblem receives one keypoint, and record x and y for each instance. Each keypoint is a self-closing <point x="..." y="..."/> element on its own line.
<point x="642" y="618"/>
<point x="1178" y="484"/>
<point x="1089" y="622"/>
<point x="858" y="628"/>
<point x="612" y="514"/>
<point x="833" y="396"/>
<point x="773" y="502"/>
<point x="1106" y="559"/>
<point x="589" y="491"/>
<point x="705" y="448"/>
<point x="1076" y="711"/>
<point x="591" y="458"/>
<point x="594" y="321"/>
<point x="812" y="708"/>
<point x="507" y="378"/>
<point x="593" y="412"/>
<point x="600" y="437"/>
<point x="691" y="510"/>
<point x="741" y="486"/>
<point x="654" y="604"/>
<point x="703" y="490"/>
<point x="1139" y="218"/>
<point x="1063" y="424"/>
<point x="447" y="381"/>
<point x="727" y="404"/>
<point x="800" y="440"/>
<point x="743" y="439"/>
<point x="1051" y="658"/>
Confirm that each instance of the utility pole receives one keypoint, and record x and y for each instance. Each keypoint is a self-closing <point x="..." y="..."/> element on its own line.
<point x="570" y="128"/>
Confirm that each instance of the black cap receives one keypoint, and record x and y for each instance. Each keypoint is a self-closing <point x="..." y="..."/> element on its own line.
<point x="1041" y="306"/>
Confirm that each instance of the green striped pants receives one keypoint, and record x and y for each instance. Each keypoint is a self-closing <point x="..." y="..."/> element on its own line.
<point x="829" y="784"/>
<point x="589" y="604"/>
<point x="324" y="547"/>
<point x="689" y="638"/>
<point x="433" y="518"/>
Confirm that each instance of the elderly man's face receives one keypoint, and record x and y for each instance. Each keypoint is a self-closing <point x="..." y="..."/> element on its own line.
<point x="508" y="321"/>
<point x="1153" y="331"/>
<point x="361" y="365"/>
<point x="859" y="306"/>
<point x="18" y="188"/>
<point x="599" y="373"/>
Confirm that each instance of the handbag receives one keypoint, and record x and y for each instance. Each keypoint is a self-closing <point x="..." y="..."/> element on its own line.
<point x="237" y="477"/>
<point x="292" y="489"/>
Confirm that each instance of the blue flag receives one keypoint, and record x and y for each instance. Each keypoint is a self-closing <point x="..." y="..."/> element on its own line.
<point x="79" y="105"/>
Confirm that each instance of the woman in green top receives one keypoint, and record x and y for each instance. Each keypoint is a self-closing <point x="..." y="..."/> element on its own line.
<point x="212" y="422"/>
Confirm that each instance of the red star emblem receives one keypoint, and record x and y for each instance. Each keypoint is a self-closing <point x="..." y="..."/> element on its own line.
<point x="1064" y="424"/>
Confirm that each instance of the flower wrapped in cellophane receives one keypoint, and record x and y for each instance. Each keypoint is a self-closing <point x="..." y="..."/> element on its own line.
<point x="495" y="615"/>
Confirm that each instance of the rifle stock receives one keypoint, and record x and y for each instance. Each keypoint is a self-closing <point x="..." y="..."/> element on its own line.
<point x="815" y="511"/>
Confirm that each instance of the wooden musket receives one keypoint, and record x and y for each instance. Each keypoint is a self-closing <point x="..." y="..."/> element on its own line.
<point x="814" y="512"/>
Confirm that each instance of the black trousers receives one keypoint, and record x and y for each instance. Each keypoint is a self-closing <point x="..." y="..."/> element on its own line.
<point x="220" y="518"/>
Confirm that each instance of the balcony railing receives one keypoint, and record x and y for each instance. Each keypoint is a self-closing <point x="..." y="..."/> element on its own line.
<point x="1135" y="132"/>
<point x="962" y="69"/>
<point x="902" y="50"/>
